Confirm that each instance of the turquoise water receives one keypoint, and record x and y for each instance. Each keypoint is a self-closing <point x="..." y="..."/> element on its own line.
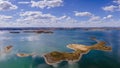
<point x="44" y="43"/>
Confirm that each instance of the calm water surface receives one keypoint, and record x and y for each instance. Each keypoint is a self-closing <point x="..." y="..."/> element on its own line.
<point x="44" y="43"/>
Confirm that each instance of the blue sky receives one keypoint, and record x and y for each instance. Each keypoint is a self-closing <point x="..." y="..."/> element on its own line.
<point x="59" y="13"/>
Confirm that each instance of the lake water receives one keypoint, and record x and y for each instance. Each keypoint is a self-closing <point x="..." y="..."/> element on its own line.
<point x="44" y="43"/>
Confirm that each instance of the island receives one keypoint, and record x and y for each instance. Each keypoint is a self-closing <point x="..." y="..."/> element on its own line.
<point x="15" y="32"/>
<point x="23" y="55"/>
<point x="57" y="57"/>
<point x="8" y="49"/>
<point x="38" y="31"/>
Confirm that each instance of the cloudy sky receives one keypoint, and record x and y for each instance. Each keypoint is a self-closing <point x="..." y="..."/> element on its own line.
<point x="59" y="13"/>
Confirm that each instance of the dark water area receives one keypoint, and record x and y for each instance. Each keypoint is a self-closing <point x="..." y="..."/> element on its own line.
<point x="44" y="43"/>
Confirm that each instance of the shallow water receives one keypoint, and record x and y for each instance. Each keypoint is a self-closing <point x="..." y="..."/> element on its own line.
<point x="44" y="43"/>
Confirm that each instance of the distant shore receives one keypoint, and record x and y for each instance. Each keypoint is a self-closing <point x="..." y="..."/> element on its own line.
<point x="58" y="28"/>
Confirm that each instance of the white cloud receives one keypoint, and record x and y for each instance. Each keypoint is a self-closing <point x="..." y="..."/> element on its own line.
<point x="62" y="17"/>
<point x="117" y="1"/>
<point x="113" y="7"/>
<point x="94" y="18"/>
<point x="67" y="23"/>
<point x="4" y="0"/>
<point x="39" y="19"/>
<point x="108" y="17"/>
<point x="30" y="13"/>
<point x="4" y="17"/>
<point x="109" y="8"/>
<point x="118" y="7"/>
<point x="6" y="5"/>
<point x="87" y="14"/>
<point x="47" y="3"/>
<point x="23" y="2"/>
<point x="36" y="15"/>
<point x="83" y="13"/>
